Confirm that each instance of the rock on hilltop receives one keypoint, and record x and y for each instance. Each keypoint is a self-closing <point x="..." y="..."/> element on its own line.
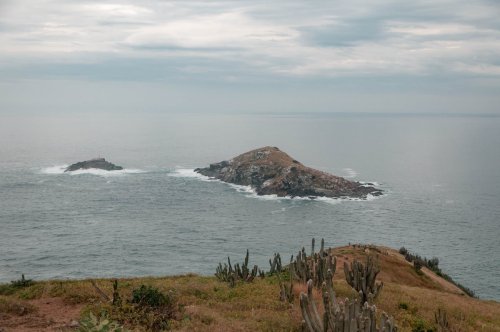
<point x="99" y="163"/>
<point x="271" y="171"/>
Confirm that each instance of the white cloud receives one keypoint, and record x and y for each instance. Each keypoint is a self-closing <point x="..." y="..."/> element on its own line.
<point x="431" y="29"/>
<point x="226" y="30"/>
<point x="115" y="10"/>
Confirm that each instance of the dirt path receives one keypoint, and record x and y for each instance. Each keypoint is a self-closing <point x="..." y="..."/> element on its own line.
<point x="51" y="314"/>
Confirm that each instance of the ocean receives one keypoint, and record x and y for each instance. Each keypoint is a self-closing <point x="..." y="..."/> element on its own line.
<point x="440" y="175"/>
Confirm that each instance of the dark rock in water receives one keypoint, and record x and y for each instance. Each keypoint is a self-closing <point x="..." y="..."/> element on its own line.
<point x="99" y="163"/>
<point x="270" y="171"/>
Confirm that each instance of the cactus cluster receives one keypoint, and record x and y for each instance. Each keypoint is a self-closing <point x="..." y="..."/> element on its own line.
<point x="340" y="316"/>
<point x="362" y="278"/>
<point x="231" y="274"/>
<point x="314" y="267"/>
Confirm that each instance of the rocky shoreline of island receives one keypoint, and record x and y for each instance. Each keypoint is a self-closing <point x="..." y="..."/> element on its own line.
<point x="270" y="171"/>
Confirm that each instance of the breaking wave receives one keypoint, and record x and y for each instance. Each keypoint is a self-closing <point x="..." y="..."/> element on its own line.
<point x="189" y="173"/>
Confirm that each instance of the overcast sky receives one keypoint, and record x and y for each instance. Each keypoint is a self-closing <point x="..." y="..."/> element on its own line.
<point x="250" y="56"/>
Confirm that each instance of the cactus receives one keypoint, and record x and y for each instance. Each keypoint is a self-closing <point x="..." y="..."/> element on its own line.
<point x="362" y="279"/>
<point x="275" y="264"/>
<point x="442" y="320"/>
<point x="286" y="291"/>
<point x="116" y="296"/>
<point x="301" y="266"/>
<point x="314" y="267"/>
<point x="340" y="316"/>
<point x="231" y="274"/>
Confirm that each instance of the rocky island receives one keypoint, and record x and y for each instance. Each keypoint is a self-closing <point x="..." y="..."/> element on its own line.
<point x="99" y="163"/>
<point x="271" y="171"/>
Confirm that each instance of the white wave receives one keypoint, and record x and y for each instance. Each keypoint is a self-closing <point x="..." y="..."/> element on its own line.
<point x="60" y="169"/>
<point x="54" y="169"/>
<point x="251" y="192"/>
<point x="369" y="197"/>
<point x="349" y="173"/>
<point x="189" y="173"/>
<point x="369" y="183"/>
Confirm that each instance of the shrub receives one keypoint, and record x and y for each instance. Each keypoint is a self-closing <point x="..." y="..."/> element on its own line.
<point x="417" y="265"/>
<point x="93" y="324"/>
<point x="149" y="296"/>
<point x="9" y="289"/>
<point x="419" y="325"/>
<point x="149" y="308"/>
<point x="22" y="283"/>
<point x="403" y="305"/>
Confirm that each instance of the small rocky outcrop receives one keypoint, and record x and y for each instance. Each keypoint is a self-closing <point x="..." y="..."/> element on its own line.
<point x="271" y="171"/>
<point x="99" y="163"/>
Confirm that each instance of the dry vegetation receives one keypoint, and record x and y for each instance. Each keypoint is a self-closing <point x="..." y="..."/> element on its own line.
<point x="207" y="304"/>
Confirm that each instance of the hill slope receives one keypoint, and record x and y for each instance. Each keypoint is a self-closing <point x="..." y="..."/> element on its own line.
<point x="206" y="304"/>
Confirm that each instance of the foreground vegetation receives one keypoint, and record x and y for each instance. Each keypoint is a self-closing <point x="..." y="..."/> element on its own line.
<point x="418" y="300"/>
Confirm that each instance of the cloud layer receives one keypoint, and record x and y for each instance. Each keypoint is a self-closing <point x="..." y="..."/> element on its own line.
<point x="298" y="38"/>
<point x="359" y="54"/>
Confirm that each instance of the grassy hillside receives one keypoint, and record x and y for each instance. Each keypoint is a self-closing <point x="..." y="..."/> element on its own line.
<point x="197" y="303"/>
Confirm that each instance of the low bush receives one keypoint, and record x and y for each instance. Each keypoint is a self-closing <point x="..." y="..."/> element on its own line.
<point x="9" y="289"/>
<point x="403" y="306"/>
<point x="433" y="265"/>
<point x="90" y="323"/>
<point x="149" y="296"/>
<point x="417" y="266"/>
<point x="419" y="325"/>
<point x="22" y="283"/>
<point x="148" y="308"/>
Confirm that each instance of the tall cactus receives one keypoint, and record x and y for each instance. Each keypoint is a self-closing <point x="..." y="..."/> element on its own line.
<point x="362" y="279"/>
<point x="442" y="320"/>
<point x="275" y="264"/>
<point x="341" y="316"/>
<point x="116" y="295"/>
<point x="286" y="291"/>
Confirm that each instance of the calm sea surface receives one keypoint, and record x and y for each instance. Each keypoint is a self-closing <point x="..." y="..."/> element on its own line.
<point x="441" y="175"/>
